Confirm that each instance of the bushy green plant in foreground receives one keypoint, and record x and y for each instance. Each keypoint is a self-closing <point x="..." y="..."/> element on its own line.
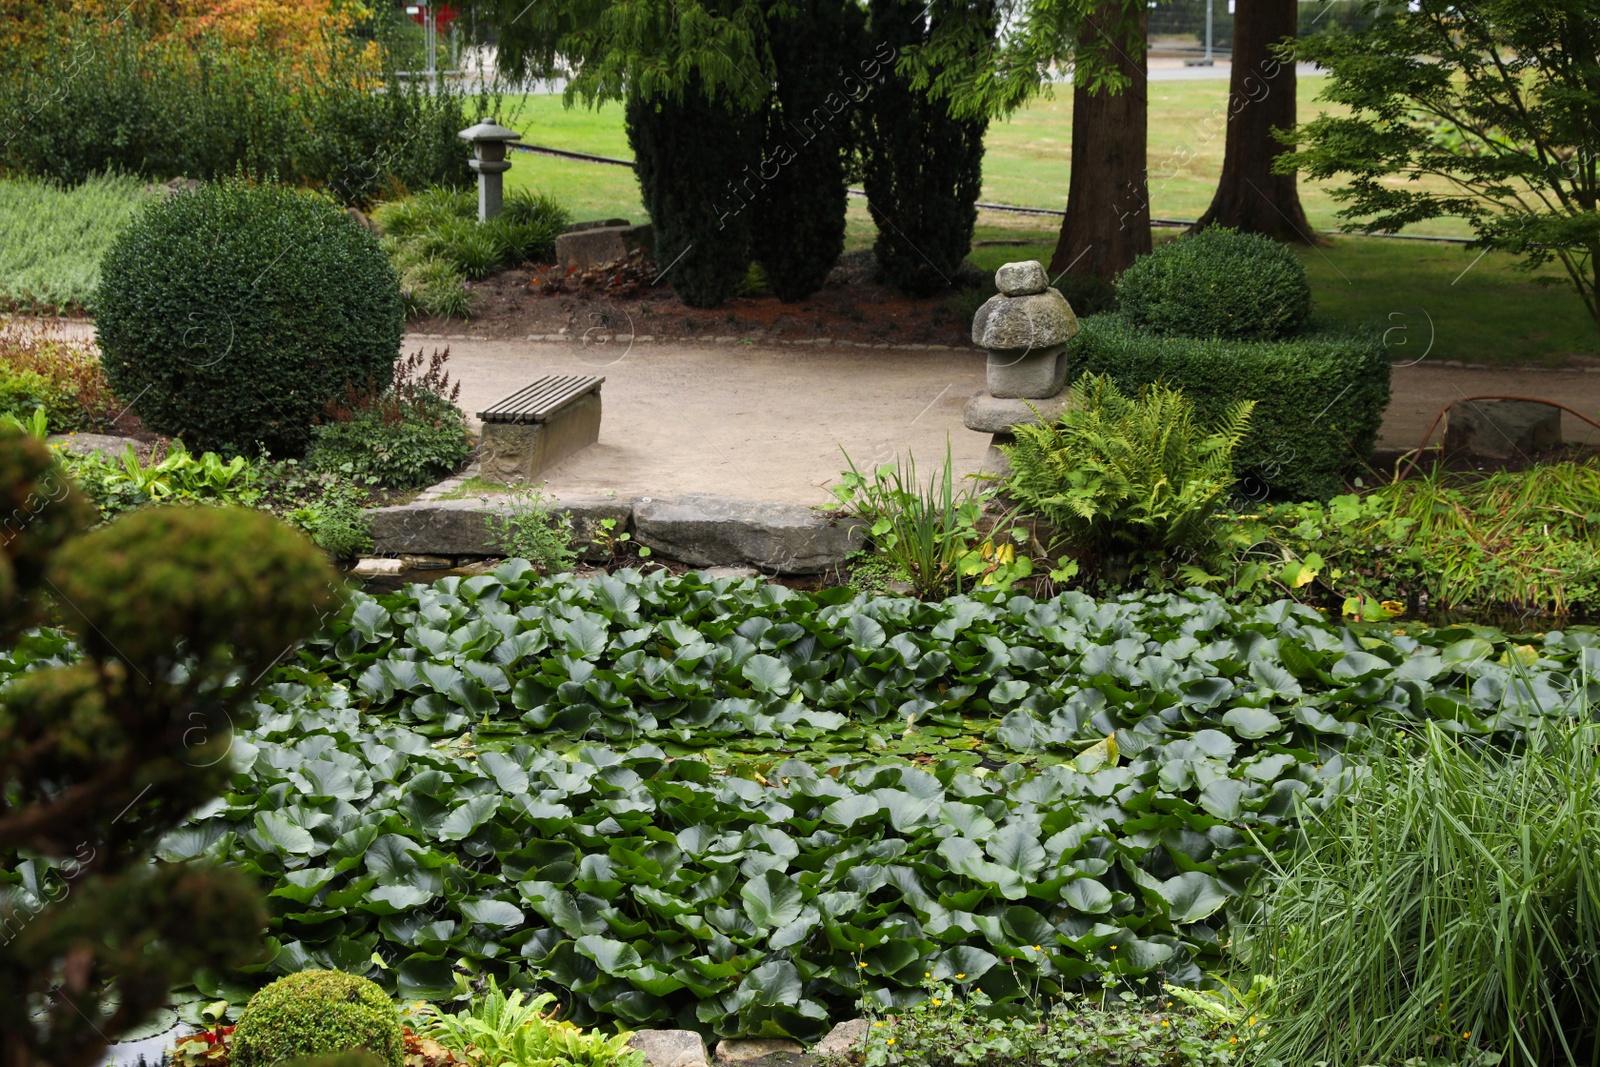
<point x="1120" y="476"/>
<point x="395" y="443"/>
<point x="1217" y="283"/>
<point x="52" y="238"/>
<point x="316" y="1013"/>
<point x="1319" y="396"/>
<point x="179" y="612"/>
<point x="527" y="526"/>
<point x="236" y="312"/>
<point x="501" y="1029"/>
<point x="682" y="798"/>
<point x="1447" y="910"/>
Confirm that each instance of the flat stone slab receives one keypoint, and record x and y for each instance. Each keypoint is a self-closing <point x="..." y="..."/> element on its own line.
<point x="580" y="249"/>
<point x="845" y="1041"/>
<point x="993" y="414"/>
<point x="85" y="443"/>
<point x="670" y="1048"/>
<point x="461" y="528"/>
<point x="703" y="530"/>
<point x="1501" y="429"/>
<point x="744" y="1049"/>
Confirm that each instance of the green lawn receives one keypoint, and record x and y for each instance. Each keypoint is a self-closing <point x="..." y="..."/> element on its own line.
<point x="1415" y="290"/>
<point x="1027" y="163"/>
<point x="1418" y="292"/>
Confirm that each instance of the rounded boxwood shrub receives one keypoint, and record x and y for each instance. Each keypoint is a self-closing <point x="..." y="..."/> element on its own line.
<point x="229" y="316"/>
<point x="317" y="1013"/>
<point x="1217" y="283"/>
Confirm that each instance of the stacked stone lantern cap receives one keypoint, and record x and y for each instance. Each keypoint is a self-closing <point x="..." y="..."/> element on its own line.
<point x="1025" y="327"/>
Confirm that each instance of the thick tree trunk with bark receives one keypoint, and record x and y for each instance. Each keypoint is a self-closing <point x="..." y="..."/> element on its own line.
<point x="1108" y="198"/>
<point x="1261" y="98"/>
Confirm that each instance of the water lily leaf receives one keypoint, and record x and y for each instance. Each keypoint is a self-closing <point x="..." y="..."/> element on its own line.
<point x="767" y="674"/>
<point x="463" y="820"/>
<point x="283" y="834"/>
<point x="772" y="900"/>
<point x="1192" y="896"/>
<point x="490" y="912"/>
<point x="1252" y="722"/>
<point x="1087" y="895"/>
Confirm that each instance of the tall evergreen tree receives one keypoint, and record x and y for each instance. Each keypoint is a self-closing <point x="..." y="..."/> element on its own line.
<point x="690" y="151"/>
<point x="1252" y="194"/>
<point x="922" y="164"/>
<point x="800" y="195"/>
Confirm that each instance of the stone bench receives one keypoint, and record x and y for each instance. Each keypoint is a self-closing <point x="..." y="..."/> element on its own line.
<point x="537" y="427"/>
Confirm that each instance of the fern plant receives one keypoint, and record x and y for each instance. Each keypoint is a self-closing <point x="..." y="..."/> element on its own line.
<point x="503" y="1029"/>
<point x="1121" y="476"/>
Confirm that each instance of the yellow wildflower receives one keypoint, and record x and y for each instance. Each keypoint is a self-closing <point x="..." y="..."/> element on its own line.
<point x="890" y="1041"/>
<point x="960" y="976"/>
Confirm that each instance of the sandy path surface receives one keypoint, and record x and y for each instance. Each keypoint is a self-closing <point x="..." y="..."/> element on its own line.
<point x="742" y="421"/>
<point x="767" y="423"/>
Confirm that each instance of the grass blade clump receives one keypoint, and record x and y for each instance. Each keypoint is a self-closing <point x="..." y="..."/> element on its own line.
<point x="1449" y="910"/>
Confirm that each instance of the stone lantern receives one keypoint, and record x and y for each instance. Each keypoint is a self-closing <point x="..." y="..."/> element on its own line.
<point x="489" y="141"/>
<point x="1025" y="329"/>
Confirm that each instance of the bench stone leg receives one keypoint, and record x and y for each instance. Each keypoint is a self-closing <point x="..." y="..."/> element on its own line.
<point x="513" y="452"/>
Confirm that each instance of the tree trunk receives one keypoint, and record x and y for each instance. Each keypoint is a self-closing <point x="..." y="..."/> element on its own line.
<point x="1108" y="198"/>
<point x="1261" y="98"/>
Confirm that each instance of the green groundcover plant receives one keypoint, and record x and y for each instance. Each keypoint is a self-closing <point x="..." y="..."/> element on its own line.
<point x="681" y="799"/>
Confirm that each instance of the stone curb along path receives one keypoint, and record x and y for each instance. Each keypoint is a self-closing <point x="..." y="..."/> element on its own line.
<point x="700" y="530"/>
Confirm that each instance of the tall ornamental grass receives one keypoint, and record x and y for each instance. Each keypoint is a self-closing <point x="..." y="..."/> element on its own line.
<point x="1449" y="911"/>
<point x="52" y="237"/>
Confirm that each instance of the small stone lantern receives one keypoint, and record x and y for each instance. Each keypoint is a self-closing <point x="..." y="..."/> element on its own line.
<point x="1025" y="328"/>
<point x="489" y="141"/>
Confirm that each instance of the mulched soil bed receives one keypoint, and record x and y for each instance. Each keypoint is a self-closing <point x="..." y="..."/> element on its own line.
<point x="853" y="305"/>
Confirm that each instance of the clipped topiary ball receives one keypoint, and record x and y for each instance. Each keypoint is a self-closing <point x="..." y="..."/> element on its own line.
<point x="234" y="584"/>
<point x="232" y="314"/>
<point x="1217" y="283"/>
<point x="318" y="1013"/>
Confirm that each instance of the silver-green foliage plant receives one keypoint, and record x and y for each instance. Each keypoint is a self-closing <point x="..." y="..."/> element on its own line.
<point x="508" y="1029"/>
<point x="527" y="527"/>
<point x="52" y="238"/>
<point x="1124" y="476"/>
<point x="1449" y="908"/>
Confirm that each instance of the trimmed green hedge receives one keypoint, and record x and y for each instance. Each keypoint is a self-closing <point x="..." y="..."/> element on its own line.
<point x="1218" y="283"/>
<point x="1319" y="396"/>
<point x="231" y="315"/>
